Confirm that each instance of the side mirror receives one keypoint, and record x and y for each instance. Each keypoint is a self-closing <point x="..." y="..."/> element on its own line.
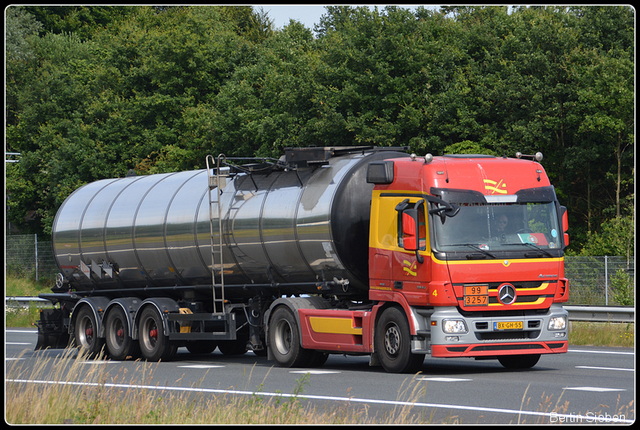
<point x="409" y="229"/>
<point x="565" y="225"/>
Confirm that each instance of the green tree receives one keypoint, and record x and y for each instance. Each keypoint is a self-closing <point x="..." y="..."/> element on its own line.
<point x="617" y="237"/>
<point x="84" y="21"/>
<point x="95" y="91"/>
<point x="20" y="27"/>
<point x="87" y="110"/>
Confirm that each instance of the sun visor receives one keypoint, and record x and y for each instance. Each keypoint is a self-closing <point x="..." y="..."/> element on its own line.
<point x="453" y="195"/>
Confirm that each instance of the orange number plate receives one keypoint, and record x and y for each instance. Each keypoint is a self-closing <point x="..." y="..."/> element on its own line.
<point x="476" y="295"/>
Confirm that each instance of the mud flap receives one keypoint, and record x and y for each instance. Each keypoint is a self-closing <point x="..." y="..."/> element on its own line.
<point x="53" y="329"/>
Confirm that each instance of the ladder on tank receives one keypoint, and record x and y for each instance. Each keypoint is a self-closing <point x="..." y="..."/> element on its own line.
<point x="216" y="181"/>
<point x="221" y="323"/>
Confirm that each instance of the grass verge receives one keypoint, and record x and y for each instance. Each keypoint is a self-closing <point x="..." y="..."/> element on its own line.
<point x="74" y="390"/>
<point x="78" y="392"/>
<point x="601" y="334"/>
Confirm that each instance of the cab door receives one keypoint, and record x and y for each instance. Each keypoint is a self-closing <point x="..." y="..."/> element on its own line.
<point x="410" y="267"/>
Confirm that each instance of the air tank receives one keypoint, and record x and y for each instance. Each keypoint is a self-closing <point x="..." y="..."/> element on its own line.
<point x="285" y="226"/>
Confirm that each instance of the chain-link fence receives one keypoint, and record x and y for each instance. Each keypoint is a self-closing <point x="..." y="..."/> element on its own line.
<point x="606" y="281"/>
<point x="27" y="256"/>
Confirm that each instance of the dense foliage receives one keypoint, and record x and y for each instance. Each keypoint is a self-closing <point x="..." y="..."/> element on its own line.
<point x="93" y="92"/>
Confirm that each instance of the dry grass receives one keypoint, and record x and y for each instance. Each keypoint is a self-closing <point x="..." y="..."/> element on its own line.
<point x="101" y="398"/>
<point x="81" y="391"/>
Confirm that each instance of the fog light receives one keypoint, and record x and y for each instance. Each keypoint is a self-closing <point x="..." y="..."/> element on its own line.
<point x="454" y="326"/>
<point x="452" y="338"/>
<point x="558" y="323"/>
<point x="560" y="334"/>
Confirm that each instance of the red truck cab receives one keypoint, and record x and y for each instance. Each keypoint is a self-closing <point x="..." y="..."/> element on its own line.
<point x="471" y="247"/>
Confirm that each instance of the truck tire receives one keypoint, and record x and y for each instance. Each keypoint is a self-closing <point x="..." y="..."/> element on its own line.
<point x="201" y="346"/>
<point x="318" y="359"/>
<point x="392" y="342"/>
<point x="86" y="332"/>
<point x="154" y="345"/>
<point x="519" y="361"/>
<point x="284" y="340"/>
<point x="235" y="347"/>
<point x="120" y="345"/>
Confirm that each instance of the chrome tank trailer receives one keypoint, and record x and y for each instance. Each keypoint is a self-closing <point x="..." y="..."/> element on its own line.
<point x="304" y="219"/>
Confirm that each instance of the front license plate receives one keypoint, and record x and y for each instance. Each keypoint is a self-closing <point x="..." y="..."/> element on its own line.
<point x="508" y="325"/>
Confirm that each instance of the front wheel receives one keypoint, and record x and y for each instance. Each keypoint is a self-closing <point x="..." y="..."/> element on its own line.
<point x="392" y="342"/>
<point x="154" y="345"/>
<point x="519" y="361"/>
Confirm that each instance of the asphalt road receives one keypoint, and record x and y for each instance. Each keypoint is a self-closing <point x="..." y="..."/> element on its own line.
<point x="586" y="385"/>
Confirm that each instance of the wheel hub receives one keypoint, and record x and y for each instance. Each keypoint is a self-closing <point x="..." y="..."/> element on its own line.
<point x="392" y="340"/>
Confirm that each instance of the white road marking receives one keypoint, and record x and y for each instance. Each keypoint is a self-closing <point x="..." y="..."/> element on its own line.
<point x="17" y="343"/>
<point x="314" y="372"/>
<point x="317" y="397"/>
<point x="594" y="389"/>
<point x="201" y="366"/>
<point x="604" y="368"/>
<point x="600" y="352"/>
<point x="445" y="379"/>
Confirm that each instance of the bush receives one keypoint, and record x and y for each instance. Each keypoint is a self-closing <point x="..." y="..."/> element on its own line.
<point x="622" y="287"/>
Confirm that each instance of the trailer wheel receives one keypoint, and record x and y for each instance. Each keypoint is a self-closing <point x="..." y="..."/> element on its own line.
<point x="119" y="342"/>
<point x="284" y="340"/>
<point x="154" y="345"/>
<point x="393" y="343"/>
<point x="86" y="332"/>
<point x="519" y="361"/>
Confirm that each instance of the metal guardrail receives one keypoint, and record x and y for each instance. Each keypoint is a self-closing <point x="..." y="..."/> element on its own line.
<point x="25" y="302"/>
<point x="617" y="314"/>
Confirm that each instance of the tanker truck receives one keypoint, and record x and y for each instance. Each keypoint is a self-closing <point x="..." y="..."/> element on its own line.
<point x="326" y="250"/>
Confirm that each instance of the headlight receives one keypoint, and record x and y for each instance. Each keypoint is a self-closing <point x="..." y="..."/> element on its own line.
<point x="454" y="326"/>
<point x="557" y="323"/>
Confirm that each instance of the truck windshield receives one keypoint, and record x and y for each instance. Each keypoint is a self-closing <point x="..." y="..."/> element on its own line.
<point x="498" y="227"/>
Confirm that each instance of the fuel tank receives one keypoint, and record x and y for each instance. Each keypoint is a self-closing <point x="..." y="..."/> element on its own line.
<point x="282" y="225"/>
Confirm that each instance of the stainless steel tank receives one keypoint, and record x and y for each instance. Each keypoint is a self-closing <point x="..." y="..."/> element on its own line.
<point x="281" y="226"/>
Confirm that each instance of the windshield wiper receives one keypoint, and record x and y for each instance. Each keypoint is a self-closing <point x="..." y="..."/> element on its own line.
<point x="531" y="245"/>
<point x="474" y="247"/>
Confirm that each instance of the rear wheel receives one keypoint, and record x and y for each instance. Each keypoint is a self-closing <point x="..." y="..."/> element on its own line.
<point x="86" y="332"/>
<point x="119" y="342"/>
<point x="154" y="345"/>
<point x="393" y="343"/>
<point x="519" y="361"/>
<point x="284" y="340"/>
